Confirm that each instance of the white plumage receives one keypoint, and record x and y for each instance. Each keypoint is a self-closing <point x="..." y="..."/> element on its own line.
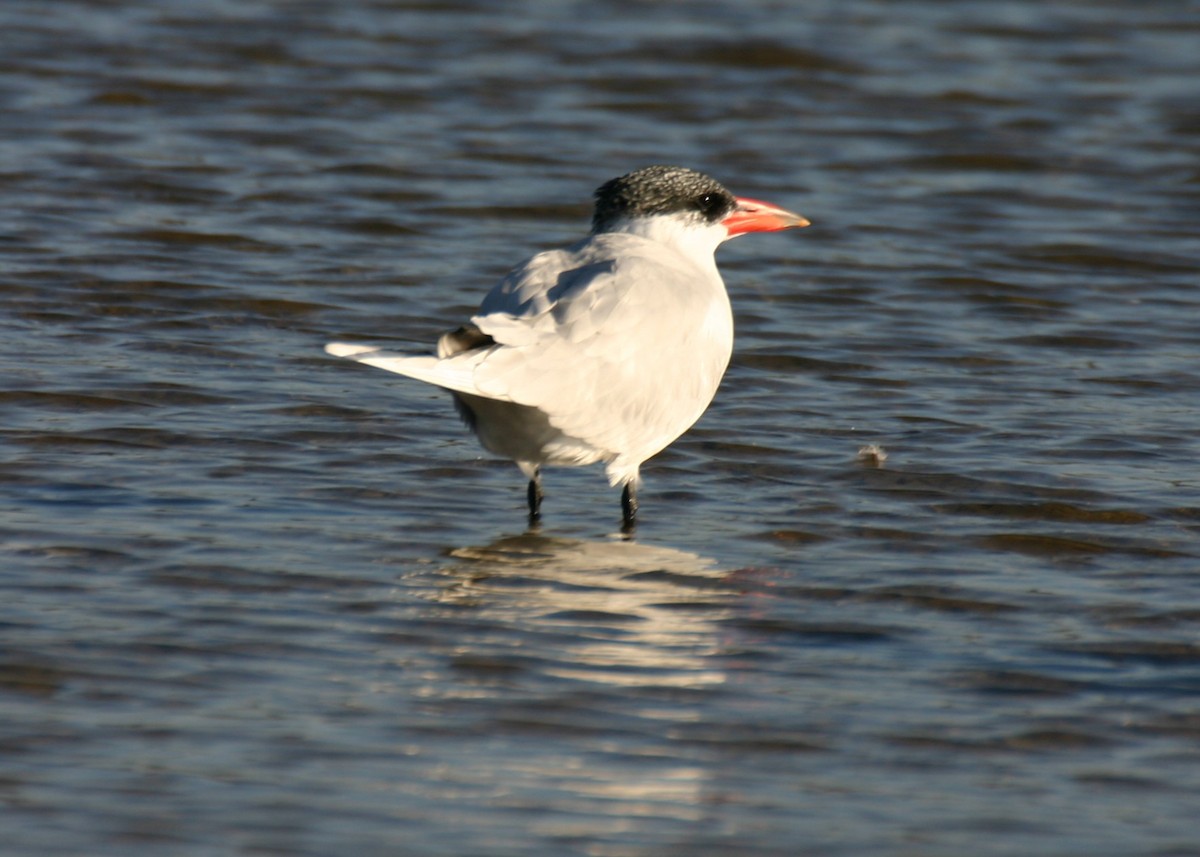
<point x="607" y="350"/>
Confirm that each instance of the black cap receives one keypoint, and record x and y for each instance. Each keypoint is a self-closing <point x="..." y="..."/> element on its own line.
<point x="660" y="190"/>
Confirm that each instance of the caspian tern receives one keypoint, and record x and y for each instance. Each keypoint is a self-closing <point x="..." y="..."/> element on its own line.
<point x="606" y="350"/>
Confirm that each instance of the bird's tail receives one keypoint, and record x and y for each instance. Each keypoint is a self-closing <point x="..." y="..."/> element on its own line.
<point x="454" y="373"/>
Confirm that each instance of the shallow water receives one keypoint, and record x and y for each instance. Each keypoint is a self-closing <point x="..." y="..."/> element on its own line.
<point x="258" y="600"/>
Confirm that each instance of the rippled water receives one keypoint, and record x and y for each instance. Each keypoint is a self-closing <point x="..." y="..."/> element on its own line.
<point x="257" y="600"/>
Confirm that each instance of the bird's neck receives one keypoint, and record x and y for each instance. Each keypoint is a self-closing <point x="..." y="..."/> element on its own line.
<point x="696" y="241"/>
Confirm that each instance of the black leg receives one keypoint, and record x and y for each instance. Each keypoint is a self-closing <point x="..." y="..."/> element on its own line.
<point x="629" y="507"/>
<point x="534" y="495"/>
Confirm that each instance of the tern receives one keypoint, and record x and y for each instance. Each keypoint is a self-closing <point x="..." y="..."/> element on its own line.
<point x="606" y="350"/>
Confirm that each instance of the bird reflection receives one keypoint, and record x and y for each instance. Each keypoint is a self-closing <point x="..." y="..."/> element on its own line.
<point x="616" y="612"/>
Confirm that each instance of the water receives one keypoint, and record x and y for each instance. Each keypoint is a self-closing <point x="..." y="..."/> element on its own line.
<point x="260" y="601"/>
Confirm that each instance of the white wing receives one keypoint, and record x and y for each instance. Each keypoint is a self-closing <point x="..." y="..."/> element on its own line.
<point x="619" y="340"/>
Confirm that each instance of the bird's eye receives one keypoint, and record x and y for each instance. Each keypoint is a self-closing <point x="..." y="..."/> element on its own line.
<point x="712" y="205"/>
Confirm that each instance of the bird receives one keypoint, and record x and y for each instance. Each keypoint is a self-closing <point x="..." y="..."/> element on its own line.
<point x="606" y="350"/>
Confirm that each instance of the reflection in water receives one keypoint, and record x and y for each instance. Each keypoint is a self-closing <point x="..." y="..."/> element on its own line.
<point x="622" y="613"/>
<point x="579" y="659"/>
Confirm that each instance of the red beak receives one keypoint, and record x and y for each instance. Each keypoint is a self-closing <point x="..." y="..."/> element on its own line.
<point x="751" y="215"/>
